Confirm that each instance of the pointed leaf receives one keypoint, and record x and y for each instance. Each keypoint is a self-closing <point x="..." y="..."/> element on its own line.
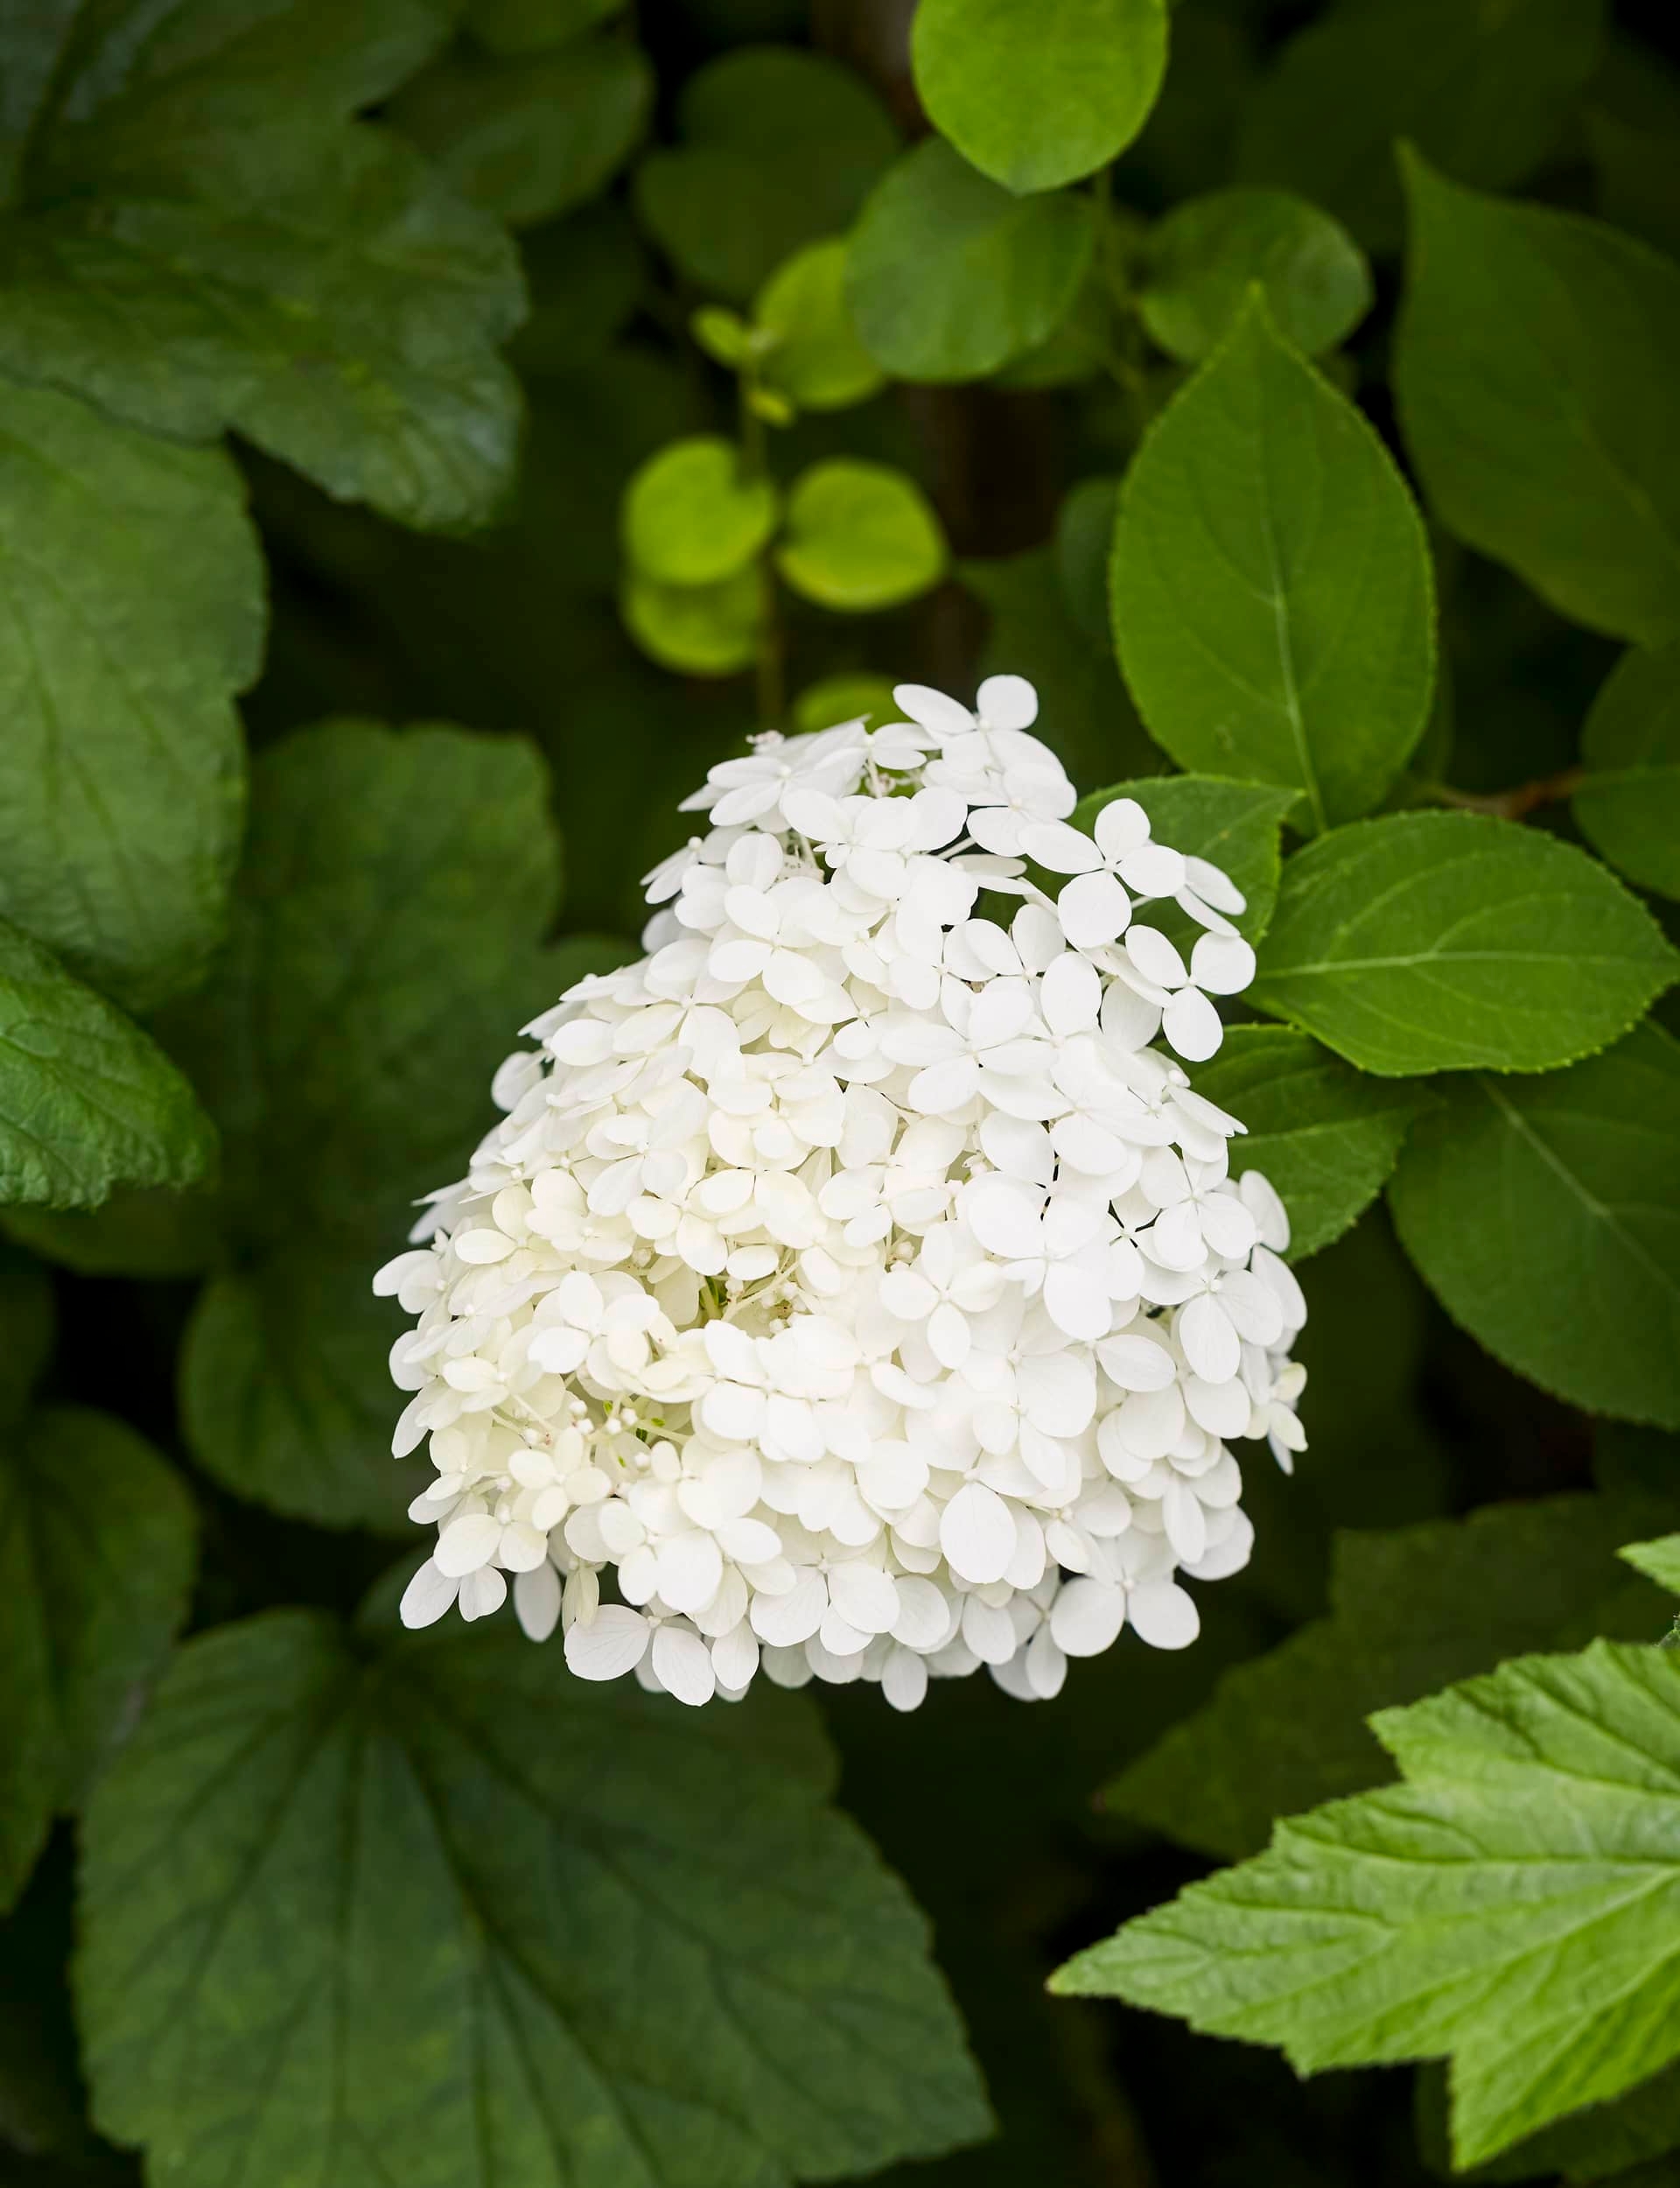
<point x="1629" y="806"/>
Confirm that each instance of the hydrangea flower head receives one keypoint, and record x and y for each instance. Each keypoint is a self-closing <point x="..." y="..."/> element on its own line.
<point x="855" y="1285"/>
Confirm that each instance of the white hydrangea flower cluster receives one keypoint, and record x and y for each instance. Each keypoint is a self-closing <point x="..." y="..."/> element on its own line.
<point x="851" y="1277"/>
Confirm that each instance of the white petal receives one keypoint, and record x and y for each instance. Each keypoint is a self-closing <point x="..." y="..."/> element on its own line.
<point x="950" y="1338"/>
<point x="976" y="1532"/>
<point x="467" y="1543"/>
<point x="483" y="1592"/>
<point x="1070" y="994"/>
<point x="1076" y="1303"/>
<point x="1221" y="964"/>
<point x="684" y="1665"/>
<point x="536" y="1601"/>
<point x="924" y="1616"/>
<point x="428" y="1596"/>
<point x="933" y="710"/>
<point x="944" y="1087"/>
<point x="1153" y="870"/>
<point x="864" y="1596"/>
<point x="1007" y="702"/>
<point x="735" y="1657"/>
<point x="1221" y="1409"/>
<point x="1155" y="958"/>
<point x="1270" y="1217"/>
<point x="1087" y="1616"/>
<point x="904" y="1679"/>
<point x="1135" y="1362"/>
<point x="1192" y="1027"/>
<point x="691" y="1569"/>
<point x="1121" y="826"/>
<point x="1163" y="1614"/>
<point x="1211" y="1345"/>
<point x="1214" y="886"/>
<point x="1062" y="849"/>
<point x="1253" y="1306"/>
<point x="1046" y="1664"/>
<point x="1004" y="1215"/>
<point x="612" y="1642"/>
<point x="785" y="1621"/>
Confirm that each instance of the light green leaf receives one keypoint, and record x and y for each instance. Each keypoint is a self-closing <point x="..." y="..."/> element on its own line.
<point x="286" y="1392"/>
<point x="1544" y="1214"/>
<point x="1659" y="1559"/>
<point x="844" y="698"/>
<point x="1629" y="806"/>
<point x="527" y="138"/>
<point x="384" y="954"/>
<point x="88" y="1101"/>
<point x="949" y="276"/>
<point x="1533" y="366"/>
<point x="1486" y="91"/>
<point x="1514" y="1904"/>
<point x="817" y="359"/>
<point x="448" y="1915"/>
<point x="746" y="186"/>
<point x="97" y="1545"/>
<point x="1445" y="942"/>
<point x="1036" y="93"/>
<point x="1326" y="1136"/>
<point x="692" y="514"/>
<point x="1234" y="825"/>
<point x="131" y="610"/>
<point x="859" y="535"/>
<point x="699" y="630"/>
<point x="526" y="26"/>
<point x="1272" y="594"/>
<point x="1197" y="263"/>
<point x="1410" y="1609"/>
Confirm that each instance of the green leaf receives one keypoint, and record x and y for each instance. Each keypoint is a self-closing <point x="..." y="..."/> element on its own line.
<point x="1410" y="1609"/>
<point x="139" y="1232"/>
<point x="97" y="1545"/>
<point x="1542" y="1213"/>
<point x="526" y="26"/>
<point x="1036" y="93"/>
<point x="527" y="138"/>
<point x="1533" y="366"/>
<point x="1234" y="825"/>
<point x="817" y="359"/>
<point x="859" y="535"/>
<point x="1084" y="538"/>
<point x="1659" y="1559"/>
<point x="1199" y="262"/>
<point x="1326" y="1136"/>
<point x="856" y="695"/>
<point x="87" y="1100"/>
<point x="384" y="954"/>
<point x="1637" y="189"/>
<point x="1629" y="807"/>
<point x="1446" y="942"/>
<point x="447" y="1915"/>
<point x="133" y="598"/>
<point x="692" y="514"/>
<point x="746" y="186"/>
<point x="699" y="630"/>
<point x="1486" y="91"/>
<point x="1513" y="1903"/>
<point x="286" y="1394"/>
<point x="1272" y="591"/>
<point x="949" y="276"/>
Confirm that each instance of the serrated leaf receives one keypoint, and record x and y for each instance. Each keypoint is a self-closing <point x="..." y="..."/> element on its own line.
<point x="692" y="514"/>
<point x="285" y="1392"/>
<point x="133" y="596"/>
<point x="817" y="359"/>
<point x="1486" y="91"/>
<point x="97" y="1543"/>
<point x="743" y="190"/>
<point x="1197" y="263"/>
<point x="1660" y="1560"/>
<point x="1448" y="942"/>
<point x="1514" y="1904"/>
<point x="87" y="1102"/>
<point x="859" y="535"/>
<point x="1037" y="92"/>
<point x="1234" y="825"/>
<point x="1326" y="1136"/>
<point x="950" y="276"/>
<point x="1410" y="1609"/>
<point x="1270" y="592"/>
<point x="419" y="1876"/>
<point x="1533" y="368"/>
<point x="1629" y="805"/>
<point x="206" y="241"/>
<point x="1543" y="1213"/>
<point x="528" y="138"/>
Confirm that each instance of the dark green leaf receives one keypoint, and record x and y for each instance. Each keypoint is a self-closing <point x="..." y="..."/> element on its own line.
<point x="817" y="359"/>
<point x="526" y="26"/>
<point x="1629" y="804"/>
<point x="1234" y="825"/>
<point x="139" y="1232"/>
<point x="134" y="611"/>
<point x="87" y="1100"/>
<point x="27" y="1315"/>
<point x="1084" y="540"/>
<point x="1544" y="1213"/>
<point x="1272" y="591"/>
<point x="747" y="185"/>
<point x="699" y="630"/>
<point x="1035" y="93"/>
<point x="449" y="1915"/>
<point x="1409" y="1611"/>
<point x="859" y="535"/>
<point x="97" y="1540"/>
<point x="692" y="514"/>
<point x="528" y="138"/>
<point x="1513" y="1903"/>
<point x="1199" y="262"/>
<point x="1484" y="90"/>
<point x="286" y="1395"/>
<point x="1534" y="368"/>
<point x="1326" y="1136"/>
<point x="949" y="276"/>
<point x="1445" y="942"/>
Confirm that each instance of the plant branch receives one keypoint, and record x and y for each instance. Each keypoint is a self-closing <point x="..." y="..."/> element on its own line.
<point x="1515" y="803"/>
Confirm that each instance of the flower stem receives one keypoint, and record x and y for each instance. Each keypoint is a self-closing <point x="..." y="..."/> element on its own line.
<point x="1513" y="804"/>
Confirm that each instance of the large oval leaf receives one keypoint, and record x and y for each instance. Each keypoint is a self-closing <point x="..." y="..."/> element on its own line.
<point x="1629" y="804"/>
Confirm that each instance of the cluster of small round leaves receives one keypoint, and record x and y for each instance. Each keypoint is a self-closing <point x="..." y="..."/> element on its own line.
<point x="853" y="1283"/>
